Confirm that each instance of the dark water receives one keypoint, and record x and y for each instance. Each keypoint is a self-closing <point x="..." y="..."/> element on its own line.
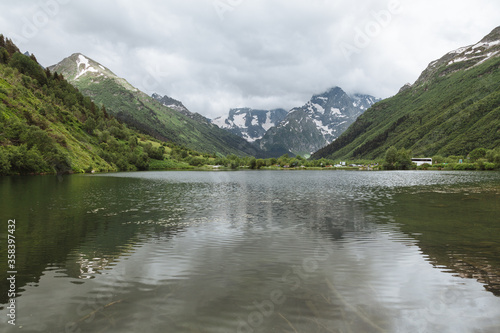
<point x="282" y="251"/>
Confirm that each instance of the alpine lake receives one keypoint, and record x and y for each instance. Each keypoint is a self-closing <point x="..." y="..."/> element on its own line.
<point x="252" y="251"/>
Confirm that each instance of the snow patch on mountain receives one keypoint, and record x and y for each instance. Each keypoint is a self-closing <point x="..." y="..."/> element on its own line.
<point x="250" y="124"/>
<point x="318" y="108"/>
<point x="220" y="122"/>
<point x="86" y="66"/>
<point x="462" y="58"/>
<point x="318" y="122"/>
<point x="239" y="120"/>
<point x="268" y="123"/>
<point x="325" y="130"/>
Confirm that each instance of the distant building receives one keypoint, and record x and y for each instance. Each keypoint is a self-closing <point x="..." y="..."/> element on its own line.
<point x="422" y="160"/>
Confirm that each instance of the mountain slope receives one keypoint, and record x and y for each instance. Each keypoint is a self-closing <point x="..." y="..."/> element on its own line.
<point x="317" y="123"/>
<point x="48" y="126"/>
<point x="176" y="105"/>
<point x="452" y="108"/>
<point x="145" y="113"/>
<point x="250" y="124"/>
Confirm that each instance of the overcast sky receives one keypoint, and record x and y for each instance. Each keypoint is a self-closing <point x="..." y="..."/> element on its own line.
<point x="218" y="54"/>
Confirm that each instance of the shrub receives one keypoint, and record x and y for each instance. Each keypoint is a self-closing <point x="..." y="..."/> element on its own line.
<point x="24" y="160"/>
<point x="493" y="156"/>
<point x="424" y="166"/>
<point x="139" y="159"/>
<point x="196" y="161"/>
<point x="437" y="159"/>
<point x="489" y="166"/>
<point x="465" y="166"/>
<point x="4" y="161"/>
<point x="477" y="154"/>
<point x="28" y="66"/>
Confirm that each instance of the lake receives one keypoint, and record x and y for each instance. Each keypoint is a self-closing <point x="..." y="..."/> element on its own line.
<point x="253" y="251"/>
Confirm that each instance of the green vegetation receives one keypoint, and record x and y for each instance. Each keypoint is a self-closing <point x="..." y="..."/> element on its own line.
<point x="48" y="126"/>
<point x="452" y="112"/>
<point x="285" y="162"/>
<point x="147" y="115"/>
<point x="397" y="159"/>
<point x="478" y="159"/>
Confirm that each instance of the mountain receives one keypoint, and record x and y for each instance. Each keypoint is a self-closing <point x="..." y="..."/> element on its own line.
<point x="48" y="126"/>
<point x="250" y="124"/>
<point x="451" y="109"/>
<point x="176" y="105"/>
<point x="150" y="115"/>
<point x="314" y="125"/>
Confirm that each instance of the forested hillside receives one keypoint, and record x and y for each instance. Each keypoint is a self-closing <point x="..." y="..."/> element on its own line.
<point x="147" y="114"/>
<point x="48" y="126"/>
<point x="452" y="109"/>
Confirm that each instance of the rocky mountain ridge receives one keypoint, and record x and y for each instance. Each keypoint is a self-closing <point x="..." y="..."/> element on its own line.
<point x="319" y="122"/>
<point x="250" y="124"/>
<point x="148" y="114"/>
<point x="451" y="109"/>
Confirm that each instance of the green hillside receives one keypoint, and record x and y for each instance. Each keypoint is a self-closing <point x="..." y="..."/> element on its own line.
<point x="48" y="126"/>
<point x="453" y="108"/>
<point x="144" y="113"/>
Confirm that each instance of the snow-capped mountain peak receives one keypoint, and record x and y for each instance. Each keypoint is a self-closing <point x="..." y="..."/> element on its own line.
<point x="304" y="129"/>
<point x="333" y="110"/>
<point x="78" y="67"/>
<point x="249" y="123"/>
<point x="463" y="58"/>
<point x="317" y="123"/>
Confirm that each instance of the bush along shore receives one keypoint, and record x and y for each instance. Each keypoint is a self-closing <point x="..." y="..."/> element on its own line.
<point x="477" y="159"/>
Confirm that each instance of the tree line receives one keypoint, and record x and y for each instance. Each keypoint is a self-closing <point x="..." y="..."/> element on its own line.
<point x="477" y="159"/>
<point x="48" y="126"/>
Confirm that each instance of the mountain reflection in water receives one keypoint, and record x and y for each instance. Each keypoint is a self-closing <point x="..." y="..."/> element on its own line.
<point x="312" y="251"/>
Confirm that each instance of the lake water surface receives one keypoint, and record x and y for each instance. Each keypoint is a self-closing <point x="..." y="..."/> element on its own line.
<point x="254" y="251"/>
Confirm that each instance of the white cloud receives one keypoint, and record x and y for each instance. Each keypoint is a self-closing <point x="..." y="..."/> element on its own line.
<point x="217" y="54"/>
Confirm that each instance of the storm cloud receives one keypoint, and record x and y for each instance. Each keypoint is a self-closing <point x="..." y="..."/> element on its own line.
<point x="217" y="54"/>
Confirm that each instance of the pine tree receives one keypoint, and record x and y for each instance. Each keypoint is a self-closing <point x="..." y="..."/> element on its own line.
<point x="4" y="56"/>
<point x="32" y="56"/>
<point x="92" y="108"/>
<point x="105" y="112"/>
<point x="11" y="47"/>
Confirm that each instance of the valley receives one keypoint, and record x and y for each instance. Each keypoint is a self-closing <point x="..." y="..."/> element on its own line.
<point x="250" y="166"/>
<point x="451" y="111"/>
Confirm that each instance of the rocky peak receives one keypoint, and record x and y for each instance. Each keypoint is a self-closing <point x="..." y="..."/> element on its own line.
<point x="78" y="67"/>
<point x="250" y="124"/>
<point x="178" y="106"/>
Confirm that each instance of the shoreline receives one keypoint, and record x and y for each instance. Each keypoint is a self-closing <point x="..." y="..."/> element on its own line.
<point x="213" y="169"/>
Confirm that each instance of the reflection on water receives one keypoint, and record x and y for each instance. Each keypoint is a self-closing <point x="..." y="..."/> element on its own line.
<point x="459" y="228"/>
<point x="256" y="252"/>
